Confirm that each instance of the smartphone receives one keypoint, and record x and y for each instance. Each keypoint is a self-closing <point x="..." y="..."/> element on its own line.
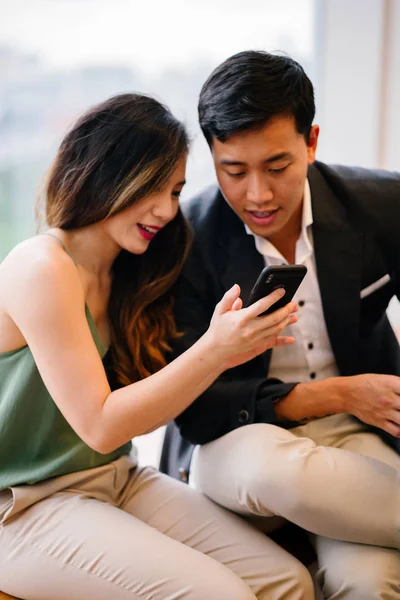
<point x="288" y="277"/>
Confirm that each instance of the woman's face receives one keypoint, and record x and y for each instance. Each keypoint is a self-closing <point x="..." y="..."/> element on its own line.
<point x="135" y="227"/>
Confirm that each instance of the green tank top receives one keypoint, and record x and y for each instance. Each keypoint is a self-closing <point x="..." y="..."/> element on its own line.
<point x="36" y="442"/>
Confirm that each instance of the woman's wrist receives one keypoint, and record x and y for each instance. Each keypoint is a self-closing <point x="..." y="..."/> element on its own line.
<point x="211" y="351"/>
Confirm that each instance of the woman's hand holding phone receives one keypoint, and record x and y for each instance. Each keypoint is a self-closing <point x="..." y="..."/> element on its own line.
<point x="239" y="334"/>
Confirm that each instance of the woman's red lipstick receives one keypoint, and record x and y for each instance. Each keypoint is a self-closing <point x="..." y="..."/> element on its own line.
<point x="148" y="231"/>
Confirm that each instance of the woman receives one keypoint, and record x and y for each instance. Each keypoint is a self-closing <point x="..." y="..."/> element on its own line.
<point x="80" y="519"/>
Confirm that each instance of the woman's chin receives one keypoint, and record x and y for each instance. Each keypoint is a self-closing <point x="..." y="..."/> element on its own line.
<point x="135" y="248"/>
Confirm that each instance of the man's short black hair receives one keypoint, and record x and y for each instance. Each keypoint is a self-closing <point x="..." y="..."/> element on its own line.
<point x="249" y="89"/>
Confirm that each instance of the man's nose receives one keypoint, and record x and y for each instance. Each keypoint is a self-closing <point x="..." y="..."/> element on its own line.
<point x="258" y="190"/>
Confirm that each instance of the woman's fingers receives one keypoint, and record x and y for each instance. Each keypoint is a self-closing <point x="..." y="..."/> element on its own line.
<point x="228" y="300"/>
<point x="256" y="309"/>
<point x="273" y="342"/>
<point x="273" y="317"/>
<point x="279" y="323"/>
<point x="275" y="330"/>
<point x="237" y="305"/>
<point x="274" y="323"/>
<point x="284" y="340"/>
<point x="265" y="330"/>
<point x="279" y="315"/>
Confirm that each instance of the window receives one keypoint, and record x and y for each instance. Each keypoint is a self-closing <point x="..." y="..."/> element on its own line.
<point x="58" y="57"/>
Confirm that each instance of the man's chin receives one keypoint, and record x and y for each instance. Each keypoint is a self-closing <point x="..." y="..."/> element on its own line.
<point x="264" y="231"/>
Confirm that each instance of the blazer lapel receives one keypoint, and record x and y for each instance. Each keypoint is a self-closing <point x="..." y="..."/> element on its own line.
<point x="338" y="255"/>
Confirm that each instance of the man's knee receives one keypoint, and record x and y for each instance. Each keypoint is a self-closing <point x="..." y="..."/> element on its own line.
<point x="273" y="477"/>
<point x="373" y="575"/>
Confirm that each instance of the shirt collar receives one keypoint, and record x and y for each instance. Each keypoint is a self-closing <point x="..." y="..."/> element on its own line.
<point x="307" y="218"/>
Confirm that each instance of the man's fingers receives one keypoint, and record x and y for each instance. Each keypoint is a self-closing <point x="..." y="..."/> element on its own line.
<point x="396" y="384"/>
<point x="392" y="428"/>
<point x="394" y="416"/>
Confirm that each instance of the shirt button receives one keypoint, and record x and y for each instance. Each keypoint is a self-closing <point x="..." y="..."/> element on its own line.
<point x="243" y="416"/>
<point x="313" y="375"/>
<point x="301" y="303"/>
<point x="183" y="475"/>
<point x="310" y="346"/>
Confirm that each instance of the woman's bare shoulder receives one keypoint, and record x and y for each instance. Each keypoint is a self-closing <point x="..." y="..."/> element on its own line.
<point x="35" y="262"/>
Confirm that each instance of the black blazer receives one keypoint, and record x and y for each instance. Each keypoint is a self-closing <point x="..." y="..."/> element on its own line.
<point x="356" y="233"/>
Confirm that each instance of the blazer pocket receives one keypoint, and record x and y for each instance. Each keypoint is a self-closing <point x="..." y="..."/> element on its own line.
<point x="373" y="287"/>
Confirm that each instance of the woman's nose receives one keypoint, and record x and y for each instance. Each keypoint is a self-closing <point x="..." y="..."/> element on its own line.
<point x="165" y="208"/>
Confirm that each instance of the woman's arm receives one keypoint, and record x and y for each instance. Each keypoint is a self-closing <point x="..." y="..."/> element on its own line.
<point x="43" y="295"/>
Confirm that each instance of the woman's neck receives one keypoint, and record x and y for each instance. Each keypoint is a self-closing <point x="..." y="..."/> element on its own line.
<point x="92" y="249"/>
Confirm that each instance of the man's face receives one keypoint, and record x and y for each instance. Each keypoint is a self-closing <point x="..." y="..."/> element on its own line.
<point x="262" y="175"/>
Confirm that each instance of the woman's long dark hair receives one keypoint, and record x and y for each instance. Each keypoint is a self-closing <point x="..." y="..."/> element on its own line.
<point x="116" y="154"/>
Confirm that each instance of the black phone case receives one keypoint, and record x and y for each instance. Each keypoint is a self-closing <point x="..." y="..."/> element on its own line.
<point x="273" y="277"/>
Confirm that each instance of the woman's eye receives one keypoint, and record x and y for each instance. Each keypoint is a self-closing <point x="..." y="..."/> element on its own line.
<point x="176" y="194"/>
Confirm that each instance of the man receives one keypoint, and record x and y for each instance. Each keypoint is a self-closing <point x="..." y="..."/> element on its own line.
<point x="285" y="434"/>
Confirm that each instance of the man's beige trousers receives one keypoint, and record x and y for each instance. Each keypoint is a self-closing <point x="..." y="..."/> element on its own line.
<point x="332" y="477"/>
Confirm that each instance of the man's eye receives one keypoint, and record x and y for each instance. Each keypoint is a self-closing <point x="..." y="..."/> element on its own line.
<point x="278" y="170"/>
<point x="236" y="175"/>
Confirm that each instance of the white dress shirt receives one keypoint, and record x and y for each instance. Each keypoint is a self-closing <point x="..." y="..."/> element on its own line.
<point x="310" y="358"/>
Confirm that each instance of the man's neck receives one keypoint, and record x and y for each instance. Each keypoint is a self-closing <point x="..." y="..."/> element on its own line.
<point x="287" y="247"/>
<point x="285" y="240"/>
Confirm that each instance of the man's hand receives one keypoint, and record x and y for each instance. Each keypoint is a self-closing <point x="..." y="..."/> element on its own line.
<point x="372" y="398"/>
<point x="375" y="400"/>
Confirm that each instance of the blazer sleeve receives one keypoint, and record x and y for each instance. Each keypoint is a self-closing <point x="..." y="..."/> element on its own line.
<point x="242" y="395"/>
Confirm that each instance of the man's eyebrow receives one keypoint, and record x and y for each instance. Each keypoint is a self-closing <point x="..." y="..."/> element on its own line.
<point x="231" y="163"/>
<point x="271" y="159"/>
<point x="280" y="156"/>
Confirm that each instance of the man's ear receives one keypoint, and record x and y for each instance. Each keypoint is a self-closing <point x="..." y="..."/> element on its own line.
<point x="312" y="144"/>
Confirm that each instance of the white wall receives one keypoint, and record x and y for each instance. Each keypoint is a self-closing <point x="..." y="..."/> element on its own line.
<point x="349" y="48"/>
<point x="392" y="148"/>
<point x="358" y="86"/>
